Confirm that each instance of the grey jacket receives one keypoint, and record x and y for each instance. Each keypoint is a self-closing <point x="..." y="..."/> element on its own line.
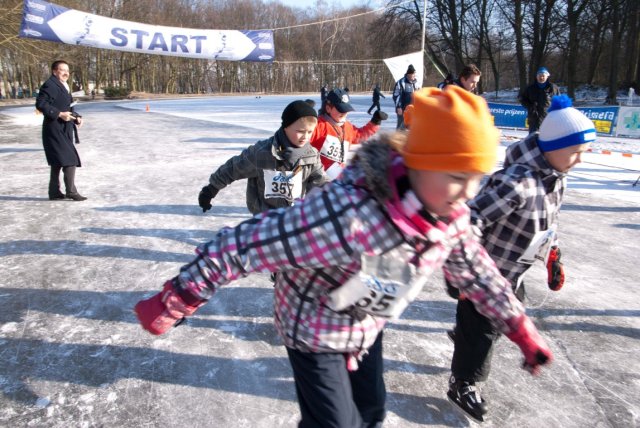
<point x="273" y="154"/>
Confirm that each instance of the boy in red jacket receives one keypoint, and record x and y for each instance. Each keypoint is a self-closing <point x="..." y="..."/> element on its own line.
<point x="334" y="134"/>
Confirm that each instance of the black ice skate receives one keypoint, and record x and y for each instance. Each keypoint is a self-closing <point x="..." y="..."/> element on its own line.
<point x="466" y="397"/>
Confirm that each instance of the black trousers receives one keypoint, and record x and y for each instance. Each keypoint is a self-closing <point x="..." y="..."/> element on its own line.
<point x="474" y="340"/>
<point x="69" y="173"/>
<point x="331" y="396"/>
<point x="375" y="104"/>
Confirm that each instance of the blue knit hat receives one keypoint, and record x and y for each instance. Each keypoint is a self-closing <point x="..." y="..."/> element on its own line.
<point x="564" y="126"/>
<point x="543" y="70"/>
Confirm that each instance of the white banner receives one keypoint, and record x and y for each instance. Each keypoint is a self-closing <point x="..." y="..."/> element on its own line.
<point x="398" y="66"/>
<point x="47" y="21"/>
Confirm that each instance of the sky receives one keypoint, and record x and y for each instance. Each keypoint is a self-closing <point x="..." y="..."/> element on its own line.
<point x="341" y="4"/>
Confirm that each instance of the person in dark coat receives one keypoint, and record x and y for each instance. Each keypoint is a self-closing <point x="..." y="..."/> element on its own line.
<point x="403" y="94"/>
<point x="59" y="128"/>
<point x="376" y="98"/>
<point x="536" y="98"/>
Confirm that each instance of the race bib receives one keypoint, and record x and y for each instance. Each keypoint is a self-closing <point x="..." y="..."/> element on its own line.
<point x="540" y="247"/>
<point x="334" y="170"/>
<point x="282" y="184"/>
<point x="334" y="149"/>
<point x="384" y="287"/>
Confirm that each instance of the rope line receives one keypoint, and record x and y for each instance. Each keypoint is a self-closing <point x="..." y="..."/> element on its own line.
<point x="335" y="19"/>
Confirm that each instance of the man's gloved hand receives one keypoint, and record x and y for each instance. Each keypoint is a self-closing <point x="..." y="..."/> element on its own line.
<point x="205" y="196"/>
<point x="378" y="117"/>
<point x="535" y="350"/>
<point x="162" y="311"/>
<point x="555" y="269"/>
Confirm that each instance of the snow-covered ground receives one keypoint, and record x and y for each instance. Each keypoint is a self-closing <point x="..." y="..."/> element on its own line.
<point x="71" y="353"/>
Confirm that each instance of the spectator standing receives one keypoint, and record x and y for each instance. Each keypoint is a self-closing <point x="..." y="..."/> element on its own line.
<point x="536" y="98"/>
<point x="403" y="94"/>
<point x="59" y="129"/>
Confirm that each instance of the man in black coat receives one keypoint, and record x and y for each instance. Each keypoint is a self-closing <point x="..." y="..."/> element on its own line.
<point x="376" y="98"/>
<point x="58" y="131"/>
<point x="536" y="98"/>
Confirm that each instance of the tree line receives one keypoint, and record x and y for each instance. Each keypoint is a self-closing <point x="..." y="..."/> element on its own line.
<point x="582" y="42"/>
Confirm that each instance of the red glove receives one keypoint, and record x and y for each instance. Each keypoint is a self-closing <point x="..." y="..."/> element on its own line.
<point x="162" y="311"/>
<point x="536" y="352"/>
<point x="555" y="270"/>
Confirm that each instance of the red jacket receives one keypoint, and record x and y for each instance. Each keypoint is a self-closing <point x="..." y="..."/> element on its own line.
<point x="333" y="141"/>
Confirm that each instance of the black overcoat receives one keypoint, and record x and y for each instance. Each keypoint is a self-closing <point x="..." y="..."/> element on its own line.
<point x="57" y="135"/>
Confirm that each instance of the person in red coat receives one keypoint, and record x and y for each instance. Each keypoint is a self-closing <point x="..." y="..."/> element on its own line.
<point x="334" y="134"/>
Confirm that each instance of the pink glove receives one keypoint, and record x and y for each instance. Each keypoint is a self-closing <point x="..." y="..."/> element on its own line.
<point x="536" y="352"/>
<point x="162" y="311"/>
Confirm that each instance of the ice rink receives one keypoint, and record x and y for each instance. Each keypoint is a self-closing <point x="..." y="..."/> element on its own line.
<point x="73" y="355"/>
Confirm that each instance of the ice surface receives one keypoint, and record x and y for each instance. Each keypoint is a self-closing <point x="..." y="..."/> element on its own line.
<point x="72" y="354"/>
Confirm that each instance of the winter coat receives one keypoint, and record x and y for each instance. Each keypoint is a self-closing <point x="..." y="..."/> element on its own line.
<point x="403" y="92"/>
<point x="57" y="135"/>
<point x="257" y="163"/>
<point x="377" y="94"/>
<point x="334" y="141"/>
<point x="518" y="201"/>
<point x="321" y="245"/>
<point x="537" y="100"/>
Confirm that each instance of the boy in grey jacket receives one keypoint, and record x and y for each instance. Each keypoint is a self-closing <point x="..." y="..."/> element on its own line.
<point x="279" y="170"/>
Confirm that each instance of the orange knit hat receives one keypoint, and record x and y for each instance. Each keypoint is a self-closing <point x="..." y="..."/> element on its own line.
<point x="450" y="129"/>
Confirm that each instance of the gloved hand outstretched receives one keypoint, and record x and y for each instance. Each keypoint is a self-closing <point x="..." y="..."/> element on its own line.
<point x="535" y="350"/>
<point x="378" y="117"/>
<point x="162" y="311"/>
<point x="205" y="196"/>
<point x="555" y="269"/>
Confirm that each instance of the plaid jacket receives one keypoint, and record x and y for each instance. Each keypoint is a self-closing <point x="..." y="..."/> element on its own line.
<point x="518" y="201"/>
<point x="317" y="245"/>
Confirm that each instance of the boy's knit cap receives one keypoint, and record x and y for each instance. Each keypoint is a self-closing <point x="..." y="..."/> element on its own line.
<point x="542" y="70"/>
<point x="564" y="126"/>
<point x="295" y="111"/>
<point x="450" y="129"/>
<point x="411" y="69"/>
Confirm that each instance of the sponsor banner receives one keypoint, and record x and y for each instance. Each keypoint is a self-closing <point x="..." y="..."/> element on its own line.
<point x="47" y="21"/>
<point x="604" y="118"/>
<point x="508" y="115"/>
<point x="628" y="124"/>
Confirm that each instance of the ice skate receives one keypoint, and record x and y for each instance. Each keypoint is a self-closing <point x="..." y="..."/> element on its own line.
<point x="466" y="397"/>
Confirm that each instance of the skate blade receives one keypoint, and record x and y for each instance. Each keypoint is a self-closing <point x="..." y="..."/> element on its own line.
<point x="462" y="411"/>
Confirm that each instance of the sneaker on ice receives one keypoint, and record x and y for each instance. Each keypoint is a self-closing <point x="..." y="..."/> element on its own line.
<point x="466" y="397"/>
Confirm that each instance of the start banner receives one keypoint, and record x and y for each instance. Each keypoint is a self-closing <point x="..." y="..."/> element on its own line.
<point x="47" y="21"/>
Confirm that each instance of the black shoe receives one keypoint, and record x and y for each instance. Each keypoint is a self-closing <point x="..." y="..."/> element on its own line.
<point x="451" y="334"/>
<point x="76" y="196"/>
<point x="466" y="397"/>
<point x="57" y="197"/>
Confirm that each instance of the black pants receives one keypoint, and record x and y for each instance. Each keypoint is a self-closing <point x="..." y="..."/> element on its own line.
<point x="375" y="104"/>
<point x="331" y="396"/>
<point x="69" y="173"/>
<point x="474" y="339"/>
